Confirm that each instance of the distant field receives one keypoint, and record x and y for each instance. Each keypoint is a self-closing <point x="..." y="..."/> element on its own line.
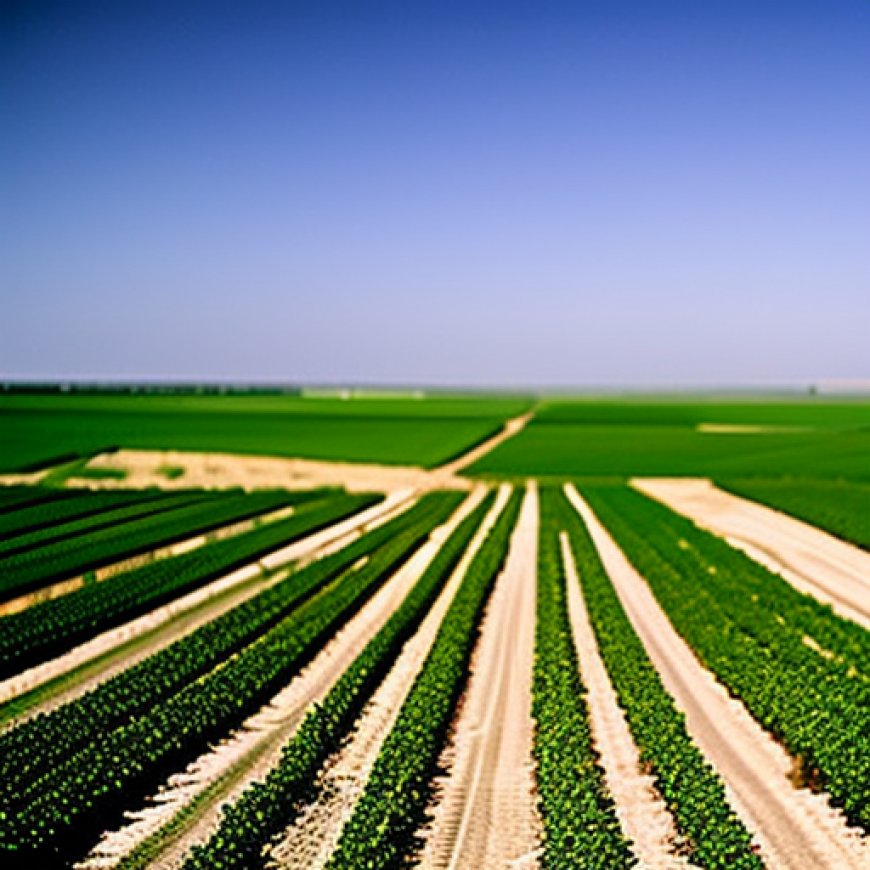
<point x="38" y="429"/>
<point x="810" y="438"/>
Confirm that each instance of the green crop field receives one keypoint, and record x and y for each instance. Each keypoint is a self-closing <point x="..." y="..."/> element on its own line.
<point x="41" y="429"/>
<point x="705" y="437"/>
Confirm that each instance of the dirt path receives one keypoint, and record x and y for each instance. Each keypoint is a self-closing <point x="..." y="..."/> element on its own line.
<point x="642" y="812"/>
<point x="192" y="800"/>
<point x="311" y="840"/>
<point x="794" y="828"/>
<point x="486" y="816"/>
<point x="813" y="561"/>
<point x="511" y="427"/>
<point x="65" y="678"/>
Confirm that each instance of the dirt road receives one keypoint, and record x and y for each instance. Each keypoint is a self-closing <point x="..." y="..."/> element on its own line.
<point x="813" y="561"/>
<point x="795" y="828"/>
<point x="486" y="815"/>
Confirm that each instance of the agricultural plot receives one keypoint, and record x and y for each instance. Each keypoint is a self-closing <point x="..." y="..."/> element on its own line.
<point x="541" y="673"/>
<point x="701" y="439"/>
<point x="39" y="430"/>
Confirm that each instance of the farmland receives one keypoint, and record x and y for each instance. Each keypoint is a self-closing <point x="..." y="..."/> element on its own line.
<point x="561" y="634"/>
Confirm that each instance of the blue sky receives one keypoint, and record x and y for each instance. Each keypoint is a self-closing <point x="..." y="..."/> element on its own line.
<point x="456" y="193"/>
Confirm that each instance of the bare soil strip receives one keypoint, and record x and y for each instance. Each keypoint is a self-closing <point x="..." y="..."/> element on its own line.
<point x="56" y="590"/>
<point x="100" y="658"/>
<point x="794" y="827"/>
<point x="310" y="841"/>
<point x="511" y="427"/>
<point x="813" y="561"/>
<point x="486" y="815"/>
<point x="642" y="812"/>
<point x="222" y="774"/>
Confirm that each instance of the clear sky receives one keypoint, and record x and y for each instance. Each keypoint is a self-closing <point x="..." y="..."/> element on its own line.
<point x="650" y="193"/>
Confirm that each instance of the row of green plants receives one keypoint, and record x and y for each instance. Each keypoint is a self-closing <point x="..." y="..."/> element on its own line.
<point x="53" y="627"/>
<point x="801" y="671"/>
<point x="841" y="507"/>
<point x="80" y="527"/>
<point x="381" y="831"/>
<point x="16" y="497"/>
<point x="64" y="812"/>
<point x="580" y="823"/>
<point x="66" y="558"/>
<point x="33" y="748"/>
<point x="34" y="517"/>
<point x="264" y="810"/>
<point x="693" y="791"/>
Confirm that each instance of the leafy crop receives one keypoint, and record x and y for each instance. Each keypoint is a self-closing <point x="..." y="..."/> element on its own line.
<point x="692" y="790"/>
<point x="580" y="823"/>
<point x="800" y="670"/>
<point x="380" y="832"/>
<point x="267" y="807"/>
<point x="55" y="626"/>
<point x="62" y="812"/>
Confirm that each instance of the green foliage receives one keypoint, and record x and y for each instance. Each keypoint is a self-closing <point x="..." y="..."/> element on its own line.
<point x="129" y="533"/>
<point x="267" y="807"/>
<point x="691" y="788"/>
<point x="63" y="811"/>
<point x="580" y="824"/>
<point x="53" y="627"/>
<point x="404" y="431"/>
<point x="750" y="628"/>
<point x="647" y="437"/>
<point x="838" y="506"/>
<point x="381" y="830"/>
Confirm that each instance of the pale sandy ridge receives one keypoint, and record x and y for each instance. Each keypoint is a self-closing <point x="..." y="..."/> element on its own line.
<point x="310" y="841"/>
<point x="643" y="814"/>
<point x="813" y="561"/>
<point x="252" y="750"/>
<point x="175" y="616"/>
<point x="794" y="828"/>
<point x="486" y="815"/>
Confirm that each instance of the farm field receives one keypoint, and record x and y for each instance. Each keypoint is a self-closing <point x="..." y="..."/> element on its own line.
<point x="713" y="437"/>
<point x="42" y="429"/>
<point x="495" y="661"/>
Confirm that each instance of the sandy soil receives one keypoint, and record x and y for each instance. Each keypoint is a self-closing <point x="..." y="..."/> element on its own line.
<point x="311" y="840"/>
<point x="221" y="774"/>
<point x="749" y="429"/>
<point x="512" y="427"/>
<point x="116" y="649"/>
<point x="642" y="812"/>
<point x="486" y="814"/>
<point x="813" y="561"/>
<point x="64" y="587"/>
<point x="793" y="827"/>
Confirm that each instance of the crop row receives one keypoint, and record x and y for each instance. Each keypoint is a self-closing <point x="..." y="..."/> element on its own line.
<point x="53" y="627"/>
<point x="35" y="746"/>
<point x="838" y="506"/>
<point x="17" y="497"/>
<point x="34" y="517"/>
<point x="694" y="793"/>
<point x="380" y="832"/>
<point x="32" y="539"/>
<point x="265" y="809"/>
<point x="65" y="810"/>
<point x="799" y="669"/>
<point x="580" y="823"/>
<point x="67" y="558"/>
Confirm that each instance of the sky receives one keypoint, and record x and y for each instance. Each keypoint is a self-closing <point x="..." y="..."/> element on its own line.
<point x="454" y="193"/>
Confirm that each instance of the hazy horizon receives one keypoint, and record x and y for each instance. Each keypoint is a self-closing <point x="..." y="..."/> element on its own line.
<point x="633" y="196"/>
